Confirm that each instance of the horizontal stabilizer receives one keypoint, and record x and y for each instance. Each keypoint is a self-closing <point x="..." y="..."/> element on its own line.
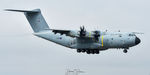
<point x="28" y="11"/>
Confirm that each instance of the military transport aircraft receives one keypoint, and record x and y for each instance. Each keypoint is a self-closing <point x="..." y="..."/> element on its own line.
<point x="91" y="42"/>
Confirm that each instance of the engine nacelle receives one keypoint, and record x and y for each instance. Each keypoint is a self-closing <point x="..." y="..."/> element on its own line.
<point x="92" y="34"/>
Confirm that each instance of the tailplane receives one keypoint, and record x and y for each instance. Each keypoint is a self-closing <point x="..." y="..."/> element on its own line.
<point x="35" y="19"/>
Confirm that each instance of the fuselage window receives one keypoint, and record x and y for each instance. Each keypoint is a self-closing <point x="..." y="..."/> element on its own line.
<point x="120" y="35"/>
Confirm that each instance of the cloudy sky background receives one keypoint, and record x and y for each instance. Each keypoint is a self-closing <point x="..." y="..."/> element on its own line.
<point x="21" y="53"/>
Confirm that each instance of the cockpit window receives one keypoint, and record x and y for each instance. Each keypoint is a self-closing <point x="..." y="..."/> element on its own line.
<point x="131" y="34"/>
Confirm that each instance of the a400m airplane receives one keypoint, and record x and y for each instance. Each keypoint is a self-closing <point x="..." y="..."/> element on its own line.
<point x="84" y="41"/>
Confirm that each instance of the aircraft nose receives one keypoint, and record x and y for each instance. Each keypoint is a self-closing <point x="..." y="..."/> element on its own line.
<point x="137" y="40"/>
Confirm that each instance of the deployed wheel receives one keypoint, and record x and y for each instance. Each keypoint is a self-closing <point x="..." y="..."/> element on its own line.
<point x="88" y="51"/>
<point x="92" y="51"/>
<point x="125" y="51"/>
<point x="83" y="50"/>
<point x="78" y="50"/>
<point x="97" y="52"/>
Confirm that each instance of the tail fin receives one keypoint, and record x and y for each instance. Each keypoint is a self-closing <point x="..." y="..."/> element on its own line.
<point x="35" y="19"/>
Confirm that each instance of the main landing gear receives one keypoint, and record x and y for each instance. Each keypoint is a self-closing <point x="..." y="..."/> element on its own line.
<point x="88" y="51"/>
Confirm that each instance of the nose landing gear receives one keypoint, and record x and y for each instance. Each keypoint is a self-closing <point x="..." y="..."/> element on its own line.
<point x="125" y="50"/>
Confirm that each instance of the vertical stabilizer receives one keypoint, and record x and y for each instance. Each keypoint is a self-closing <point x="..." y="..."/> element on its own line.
<point x="35" y="19"/>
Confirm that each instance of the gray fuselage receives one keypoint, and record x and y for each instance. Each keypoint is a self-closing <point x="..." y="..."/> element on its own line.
<point x="106" y="40"/>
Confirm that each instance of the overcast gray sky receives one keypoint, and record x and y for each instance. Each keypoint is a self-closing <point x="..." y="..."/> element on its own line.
<point x="21" y="53"/>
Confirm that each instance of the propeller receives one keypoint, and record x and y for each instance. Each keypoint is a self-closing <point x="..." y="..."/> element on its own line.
<point x="96" y="34"/>
<point x="82" y="31"/>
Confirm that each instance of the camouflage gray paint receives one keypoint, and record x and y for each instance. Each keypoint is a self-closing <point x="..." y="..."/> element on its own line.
<point x="72" y="39"/>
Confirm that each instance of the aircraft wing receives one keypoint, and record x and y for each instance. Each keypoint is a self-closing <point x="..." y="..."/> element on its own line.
<point x="66" y="32"/>
<point x="71" y="33"/>
<point x="77" y="34"/>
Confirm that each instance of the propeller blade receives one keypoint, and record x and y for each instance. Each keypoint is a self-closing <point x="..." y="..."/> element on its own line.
<point x="82" y="31"/>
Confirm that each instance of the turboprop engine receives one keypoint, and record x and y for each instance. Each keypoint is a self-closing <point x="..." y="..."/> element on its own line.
<point x="84" y="34"/>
